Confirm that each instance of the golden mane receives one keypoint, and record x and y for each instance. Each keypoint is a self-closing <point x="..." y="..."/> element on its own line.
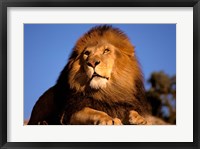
<point x="107" y="33"/>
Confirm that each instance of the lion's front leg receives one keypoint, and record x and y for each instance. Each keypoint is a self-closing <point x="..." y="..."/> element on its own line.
<point x="89" y="116"/>
<point x="136" y="119"/>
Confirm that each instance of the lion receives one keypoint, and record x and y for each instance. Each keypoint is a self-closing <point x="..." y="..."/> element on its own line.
<point x="102" y="84"/>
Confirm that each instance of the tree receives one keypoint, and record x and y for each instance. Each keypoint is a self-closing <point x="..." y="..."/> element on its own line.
<point x="162" y="96"/>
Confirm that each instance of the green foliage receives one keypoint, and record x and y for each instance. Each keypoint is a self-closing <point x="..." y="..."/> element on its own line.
<point x="162" y="96"/>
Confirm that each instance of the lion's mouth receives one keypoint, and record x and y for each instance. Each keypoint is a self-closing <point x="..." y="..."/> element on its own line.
<point x="97" y="81"/>
<point x="97" y="75"/>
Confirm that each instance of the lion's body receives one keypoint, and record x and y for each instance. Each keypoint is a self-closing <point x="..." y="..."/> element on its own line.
<point x="101" y="81"/>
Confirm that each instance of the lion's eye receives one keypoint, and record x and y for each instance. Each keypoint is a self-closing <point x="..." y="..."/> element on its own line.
<point x="106" y="51"/>
<point x="86" y="52"/>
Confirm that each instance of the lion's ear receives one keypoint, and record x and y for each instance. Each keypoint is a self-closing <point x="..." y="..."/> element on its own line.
<point x="130" y="51"/>
<point x="133" y="54"/>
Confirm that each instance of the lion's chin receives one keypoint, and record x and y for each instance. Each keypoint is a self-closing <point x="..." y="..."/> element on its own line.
<point x="98" y="82"/>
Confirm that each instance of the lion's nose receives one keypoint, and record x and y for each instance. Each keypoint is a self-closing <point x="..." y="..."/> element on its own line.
<point x="93" y="63"/>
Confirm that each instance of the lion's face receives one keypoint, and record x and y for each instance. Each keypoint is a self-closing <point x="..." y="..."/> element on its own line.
<point x="98" y="62"/>
<point x="103" y="65"/>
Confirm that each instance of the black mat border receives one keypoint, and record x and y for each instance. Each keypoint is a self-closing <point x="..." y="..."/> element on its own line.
<point x="4" y="4"/>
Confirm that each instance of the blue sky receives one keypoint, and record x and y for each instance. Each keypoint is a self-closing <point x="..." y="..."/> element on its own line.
<point x="47" y="48"/>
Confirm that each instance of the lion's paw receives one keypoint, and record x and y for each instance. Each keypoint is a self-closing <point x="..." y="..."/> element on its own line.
<point x="136" y="119"/>
<point x="42" y="123"/>
<point x="108" y="121"/>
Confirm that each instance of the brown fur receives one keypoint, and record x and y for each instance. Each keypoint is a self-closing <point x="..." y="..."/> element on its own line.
<point x="73" y="101"/>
